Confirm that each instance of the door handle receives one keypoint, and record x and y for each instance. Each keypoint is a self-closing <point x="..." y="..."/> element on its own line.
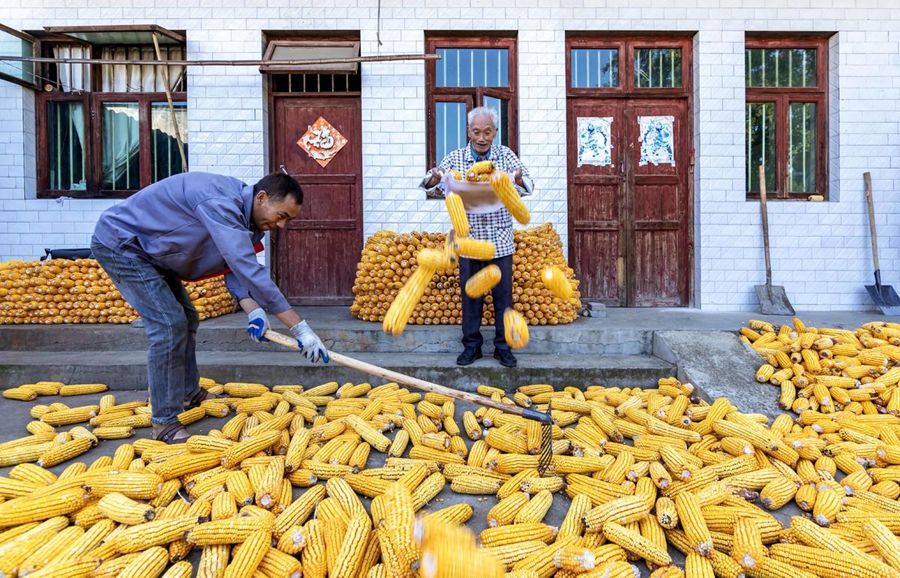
<point x="282" y="168"/>
<point x="621" y="168"/>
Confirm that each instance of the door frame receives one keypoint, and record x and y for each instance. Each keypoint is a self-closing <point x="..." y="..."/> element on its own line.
<point x="625" y="42"/>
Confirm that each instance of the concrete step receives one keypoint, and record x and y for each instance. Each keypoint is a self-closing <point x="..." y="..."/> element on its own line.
<point x="124" y="370"/>
<point x="585" y="336"/>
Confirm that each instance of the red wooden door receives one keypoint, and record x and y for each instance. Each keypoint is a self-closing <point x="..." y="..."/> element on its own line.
<point x="596" y="204"/>
<point x="316" y="255"/>
<point x="628" y="142"/>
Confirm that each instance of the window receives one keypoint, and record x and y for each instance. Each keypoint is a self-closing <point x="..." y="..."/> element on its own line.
<point x="106" y="130"/>
<point x="786" y="83"/>
<point x="619" y="65"/>
<point x="470" y="73"/>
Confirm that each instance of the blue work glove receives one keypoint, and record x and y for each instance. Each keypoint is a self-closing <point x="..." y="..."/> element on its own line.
<point x="258" y="325"/>
<point x="310" y="344"/>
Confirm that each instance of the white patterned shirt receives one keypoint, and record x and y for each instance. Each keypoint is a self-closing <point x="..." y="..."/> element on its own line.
<point x="495" y="227"/>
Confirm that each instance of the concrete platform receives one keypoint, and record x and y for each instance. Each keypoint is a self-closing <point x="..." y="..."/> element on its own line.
<point x="629" y="347"/>
<point x="124" y="370"/>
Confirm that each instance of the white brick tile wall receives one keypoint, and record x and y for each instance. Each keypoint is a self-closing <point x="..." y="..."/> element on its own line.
<point x="820" y="251"/>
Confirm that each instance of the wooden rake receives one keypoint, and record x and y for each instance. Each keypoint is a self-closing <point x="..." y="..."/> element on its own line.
<point x="545" y="419"/>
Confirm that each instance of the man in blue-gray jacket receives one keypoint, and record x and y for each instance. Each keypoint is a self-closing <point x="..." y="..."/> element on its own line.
<point x="188" y="227"/>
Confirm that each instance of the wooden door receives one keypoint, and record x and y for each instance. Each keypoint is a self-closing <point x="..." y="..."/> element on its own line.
<point x="629" y="200"/>
<point x="316" y="255"/>
<point x="657" y="223"/>
<point x="597" y="240"/>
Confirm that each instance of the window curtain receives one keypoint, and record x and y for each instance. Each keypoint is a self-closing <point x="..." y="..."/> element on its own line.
<point x="144" y="77"/>
<point x="74" y="78"/>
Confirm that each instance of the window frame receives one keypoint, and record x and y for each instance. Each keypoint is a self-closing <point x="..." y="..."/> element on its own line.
<point x="92" y="103"/>
<point x="626" y="46"/>
<point x="783" y="98"/>
<point x="35" y="50"/>
<point x="475" y="95"/>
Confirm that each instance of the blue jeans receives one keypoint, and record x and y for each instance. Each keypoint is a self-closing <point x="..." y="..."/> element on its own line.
<point x="171" y="323"/>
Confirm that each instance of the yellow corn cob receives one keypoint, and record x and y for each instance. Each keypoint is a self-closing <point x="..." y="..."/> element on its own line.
<point x="457" y="214"/>
<point x="228" y="531"/>
<point x="475" y="249"/>
<point x="435" y="260"/>
<point x="250" y="555"/>
<point x="244" y="449"/>
<point x="313" y="555"/>
<point x="747" y="546"/>
<point x="633" y="542"/>
<point x="20" y="393"/>
<point x="149" y="563"/>
<point x="479" y="168"/>
<point x="82" y="389"/>
<point x="506" y="509"/>
<point x="404" y="303"/>
<point x="352" y="549"/>
<point x="299" y="510"/>
<point x="622" y="510"/>
<point x="58" y="454"/>
<point x="475" y="485"/>
<point x="555" y="280"/>
<point x="70" y="416"/>
<point x="483" y="281"/>
<point x="505" y="190"/>
<point x="828" y="564"/>
<point x="515" y="328"/>
<point x="455" y="514"/>
<point x="113" y="433"/>
<point x="575" y="559"/>
<point x="124" y="510"/>
<point x="692" y="522"/>
<point x="536" y="508"/>
<point x="156" y="533"/>
<point x="269" y="489"/>
<point x="473" y="429"/>
<point x="828" y="504"/>
<point x="430" y="488"/>
<point x="213" y="561"/>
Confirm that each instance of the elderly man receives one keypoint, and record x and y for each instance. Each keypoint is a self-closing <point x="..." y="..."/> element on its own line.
<point x="495" y="227"/>
<point x="191" y="226"/>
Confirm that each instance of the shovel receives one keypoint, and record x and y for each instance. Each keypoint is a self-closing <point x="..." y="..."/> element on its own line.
<point x="772" y="298"/>
<point x="545" y="419"/>
<point x="883" y="295"/>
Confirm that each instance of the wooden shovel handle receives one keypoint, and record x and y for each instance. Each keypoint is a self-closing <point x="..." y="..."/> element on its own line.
<point x="421" y="384"/>
<point x="765" y="222"/>
<point x="871" y="206"/>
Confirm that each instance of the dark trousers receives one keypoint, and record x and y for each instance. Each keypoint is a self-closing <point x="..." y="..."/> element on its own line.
<point x="472" y="309"/>
<point x="170" y="321"/>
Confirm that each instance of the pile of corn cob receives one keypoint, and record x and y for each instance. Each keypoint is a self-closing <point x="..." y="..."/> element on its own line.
<point x="389" y="260"/>
<point x="829" y="371"/>
<point x="643" y="469"/>
<point x="79" y="291"/>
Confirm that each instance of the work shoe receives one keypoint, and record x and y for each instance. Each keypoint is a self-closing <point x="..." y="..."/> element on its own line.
<point x="468" y="356"/>
<point x="505" y="357"/>
<point x="170" y="434"/>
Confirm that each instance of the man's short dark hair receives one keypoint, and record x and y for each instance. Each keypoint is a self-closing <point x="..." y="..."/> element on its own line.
<point x="278" y="186"/>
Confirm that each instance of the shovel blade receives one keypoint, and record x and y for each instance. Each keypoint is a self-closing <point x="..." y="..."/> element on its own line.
<point x="886" y="298"/>
<point x="773" y="300"/>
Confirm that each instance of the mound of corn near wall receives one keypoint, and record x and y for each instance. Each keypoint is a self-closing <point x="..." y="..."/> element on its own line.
<point x="79" y="291"/>
<point x="389" y="259"/>
<point x="830" y="372"/>
<point x="276" y="490"/>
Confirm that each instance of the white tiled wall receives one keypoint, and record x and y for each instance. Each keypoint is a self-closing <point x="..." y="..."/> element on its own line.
<point x="820" y="250"/>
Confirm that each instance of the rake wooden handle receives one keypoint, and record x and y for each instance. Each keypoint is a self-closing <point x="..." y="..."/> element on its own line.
<point x="417" y="383"/>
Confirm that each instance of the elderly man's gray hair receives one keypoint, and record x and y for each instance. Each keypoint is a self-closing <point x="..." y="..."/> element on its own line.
<point x="483" y="111"/>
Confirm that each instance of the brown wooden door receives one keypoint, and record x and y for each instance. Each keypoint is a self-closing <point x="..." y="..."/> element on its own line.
<point x="597" y="239"/>
<point x="315" y="256"/>
<point x="629" y="201"/>
<point x="657" y="223"/>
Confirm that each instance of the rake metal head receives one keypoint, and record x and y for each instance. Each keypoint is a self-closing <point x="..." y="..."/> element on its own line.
<point x="546" y="458"/>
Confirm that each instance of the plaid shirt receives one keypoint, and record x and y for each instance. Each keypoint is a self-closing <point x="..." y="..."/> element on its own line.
<point x="496" y="227"/>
